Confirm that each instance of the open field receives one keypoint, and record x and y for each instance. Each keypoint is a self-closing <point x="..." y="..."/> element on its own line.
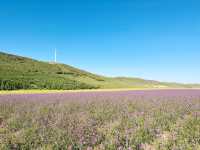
<point x="141" y="119"/>
<point x="35" y="91"/>
<point x="4" y="92"/>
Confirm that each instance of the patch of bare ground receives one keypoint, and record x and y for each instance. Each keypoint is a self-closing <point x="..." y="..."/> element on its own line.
<point x="1" y="121"/>
<point x="147" y="147"/>
<point x="159" y="142"/>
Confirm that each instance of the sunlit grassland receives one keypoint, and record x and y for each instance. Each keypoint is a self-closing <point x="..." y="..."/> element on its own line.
<point x="2" y="92"/>
<point x="42" y="91"/>
<point x="35" y="91"/>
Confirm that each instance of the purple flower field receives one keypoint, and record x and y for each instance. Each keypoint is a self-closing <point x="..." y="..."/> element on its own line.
<point x="149" y="119"/>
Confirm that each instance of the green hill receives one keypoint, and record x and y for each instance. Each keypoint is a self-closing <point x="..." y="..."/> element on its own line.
<point x="18" y="72"/>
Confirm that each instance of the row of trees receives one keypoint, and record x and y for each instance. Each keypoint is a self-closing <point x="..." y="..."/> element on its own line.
<point x="50" y="84"/>
<point x="13" y="85"/>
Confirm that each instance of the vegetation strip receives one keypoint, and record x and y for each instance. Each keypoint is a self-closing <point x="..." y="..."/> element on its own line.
<point x="3" y="92"/>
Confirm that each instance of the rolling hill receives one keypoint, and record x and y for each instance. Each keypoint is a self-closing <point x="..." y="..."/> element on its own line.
<point x="18" y="72"/>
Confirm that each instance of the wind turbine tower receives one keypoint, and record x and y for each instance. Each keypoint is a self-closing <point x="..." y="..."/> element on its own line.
<point x="55" y="58"/>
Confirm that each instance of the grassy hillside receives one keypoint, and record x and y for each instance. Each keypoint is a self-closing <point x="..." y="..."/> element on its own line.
<point x="18" y="72"/>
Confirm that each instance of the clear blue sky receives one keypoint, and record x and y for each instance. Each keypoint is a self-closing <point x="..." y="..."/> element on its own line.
<point x="153" y="39"/>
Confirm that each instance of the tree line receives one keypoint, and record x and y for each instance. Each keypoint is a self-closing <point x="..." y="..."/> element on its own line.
<point x="28" y="84"/>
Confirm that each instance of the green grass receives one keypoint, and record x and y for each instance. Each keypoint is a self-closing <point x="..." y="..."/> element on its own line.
<point x="43" y="91"/>
<point x="32" y="74"/>
<point x="24" y="73"/>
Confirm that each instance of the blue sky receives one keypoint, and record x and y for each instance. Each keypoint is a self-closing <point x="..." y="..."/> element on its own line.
<point x="153" y="39"/>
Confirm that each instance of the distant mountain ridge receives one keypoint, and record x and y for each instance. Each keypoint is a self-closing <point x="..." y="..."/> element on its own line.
<point x="17" y="72"/>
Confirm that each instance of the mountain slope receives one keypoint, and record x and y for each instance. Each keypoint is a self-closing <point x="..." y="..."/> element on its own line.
<point x="18" y="72"/>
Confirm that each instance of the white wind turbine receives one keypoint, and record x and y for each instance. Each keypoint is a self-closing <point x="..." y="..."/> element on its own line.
<point x="55" y="56"/>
